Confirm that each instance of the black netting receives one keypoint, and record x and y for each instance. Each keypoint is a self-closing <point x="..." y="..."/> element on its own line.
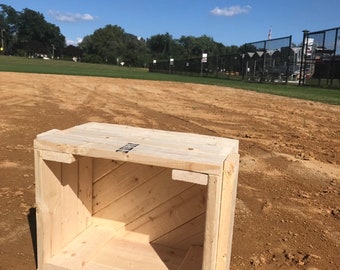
<point x="268" y="60"/>
<point x="321" y="58"/>
<point x="316" y="61"/>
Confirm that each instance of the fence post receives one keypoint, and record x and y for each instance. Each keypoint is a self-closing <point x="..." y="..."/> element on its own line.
<point x="303" y="57"/>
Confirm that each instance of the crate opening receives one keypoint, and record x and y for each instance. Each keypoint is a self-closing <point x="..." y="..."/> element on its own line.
<point x="134" y="210"/>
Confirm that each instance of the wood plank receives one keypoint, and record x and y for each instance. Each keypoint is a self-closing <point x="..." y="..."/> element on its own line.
<point x="42" y="227"/>
<point x="85" y="192"/>
<point x="57" y="156"/>
<point x="181" y="236"/>
<point x="228" y="202"/>
<point x="170" y="157"/>
<point x="212" y="222"/>
<point x="122" y="254"/>
<point x="102" y="167"/>
<point x="82" y="249"/>
<point x="119" y="182"/>
<point x="193" y="259"/>
<point x="143" y="199"/>
<point x="69" y="205"/>
<point x="169" y="216"/>
<point x="49" y="214"/>
<point x="159" y="138"/>
<point x="191" y="177"/>
<point x="192" y="239"/>
<point x="169" y="149"/>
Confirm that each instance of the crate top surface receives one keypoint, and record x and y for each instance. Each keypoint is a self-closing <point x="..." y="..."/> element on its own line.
<point x="176" y="150"/>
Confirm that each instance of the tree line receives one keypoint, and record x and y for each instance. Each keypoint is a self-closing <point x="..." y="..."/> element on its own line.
<point x="27" y="33"/>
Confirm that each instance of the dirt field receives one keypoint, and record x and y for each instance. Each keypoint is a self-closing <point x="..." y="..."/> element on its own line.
<point x="288" y="201"/>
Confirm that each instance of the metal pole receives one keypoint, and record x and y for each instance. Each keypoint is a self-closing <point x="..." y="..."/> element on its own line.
<point x="2" y="39"/>
<point x="288" y="58"/>
<point x="303" y="57"/>
<point x="334" y="52"/>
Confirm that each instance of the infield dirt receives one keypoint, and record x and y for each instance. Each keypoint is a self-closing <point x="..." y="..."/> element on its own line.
<point x="288" y="200"/>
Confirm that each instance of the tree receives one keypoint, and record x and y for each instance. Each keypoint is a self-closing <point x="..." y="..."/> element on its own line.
<point x="27" y="32"/>
<point x="106" y="43"/>
<point x="34" y="30"/>
<point x="113" y="46"/>
<point x="8" y="24"/>
<point x="160" y="46"/>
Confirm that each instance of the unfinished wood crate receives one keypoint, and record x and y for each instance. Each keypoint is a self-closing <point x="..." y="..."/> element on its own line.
<point x="120" y="197"/>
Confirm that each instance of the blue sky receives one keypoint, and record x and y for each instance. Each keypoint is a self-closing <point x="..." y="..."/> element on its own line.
<point x="226" y="21"/>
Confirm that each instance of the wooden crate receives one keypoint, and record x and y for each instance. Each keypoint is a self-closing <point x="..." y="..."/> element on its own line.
<point x="120" y="197"/>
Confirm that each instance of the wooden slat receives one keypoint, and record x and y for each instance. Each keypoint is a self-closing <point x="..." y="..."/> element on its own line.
<point x="193" y="259"/>
<point x="98" y="249"/>
<point x="143" y="199"/>
<point x="57" y="156"/>
<point x="129" y="255"/>
<point x="81" y="250"/>
<point x="181" y="237"/>
<point x="169" y="216"/>
<point x="85" y="172"/>
<point x="228" y="202"/>
<point x="102" y="167"/>
<point x="192" y="239"/>
<point x="191" y="177"/>
<point x="170" y="157"/>
<point x="212" y="222"/>
<point x="69" y="206"/>
<point x="159" y="138"/>
<point x="169" y="149"/>
<point x="119" y="182"/>
<point x="49" y="214"/>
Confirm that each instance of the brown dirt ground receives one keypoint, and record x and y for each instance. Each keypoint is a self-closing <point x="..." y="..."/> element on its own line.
<point x="288" y="200"/>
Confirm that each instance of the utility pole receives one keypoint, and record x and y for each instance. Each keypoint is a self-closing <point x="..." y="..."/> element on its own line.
<point x="53" y="48"/>
<point x="2" y="39"/>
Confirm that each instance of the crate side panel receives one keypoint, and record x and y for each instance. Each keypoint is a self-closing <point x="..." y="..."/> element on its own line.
<point x="193" y="259"/>
<point x="121" y="181"/>
<point x="143" y="198"/>
<point x="169" y="217"/>
<point x="49" y="214"/>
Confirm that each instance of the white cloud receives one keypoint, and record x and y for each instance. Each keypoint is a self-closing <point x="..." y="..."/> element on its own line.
<point x="70" y="17"/>
<point x="74" y="43"/>
<point x="231" y="11"/>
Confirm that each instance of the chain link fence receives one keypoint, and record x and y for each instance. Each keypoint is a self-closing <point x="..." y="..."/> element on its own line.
<point x="268" y="60"/>
<point x="264" y="61"/>
<point x="315" y="62"/>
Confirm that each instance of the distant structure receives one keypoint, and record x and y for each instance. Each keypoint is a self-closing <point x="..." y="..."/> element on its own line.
<point x="270" y="33"/>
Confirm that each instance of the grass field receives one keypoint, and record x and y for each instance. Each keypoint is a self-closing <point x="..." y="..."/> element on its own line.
<point x="21" y="64"/>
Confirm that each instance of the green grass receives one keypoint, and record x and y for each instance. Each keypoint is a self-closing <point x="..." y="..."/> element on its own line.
<point x="21" y="64"/>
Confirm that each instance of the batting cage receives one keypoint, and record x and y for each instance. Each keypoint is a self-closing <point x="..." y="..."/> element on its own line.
<point x="321" y="58"/>
<point x="268" y="60"/>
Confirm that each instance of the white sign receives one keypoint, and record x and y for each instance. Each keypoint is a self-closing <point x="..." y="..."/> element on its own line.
<point x="204" y="57"/>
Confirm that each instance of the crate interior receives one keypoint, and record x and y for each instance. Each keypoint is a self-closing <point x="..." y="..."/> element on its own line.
<point x="123" y="215"/>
